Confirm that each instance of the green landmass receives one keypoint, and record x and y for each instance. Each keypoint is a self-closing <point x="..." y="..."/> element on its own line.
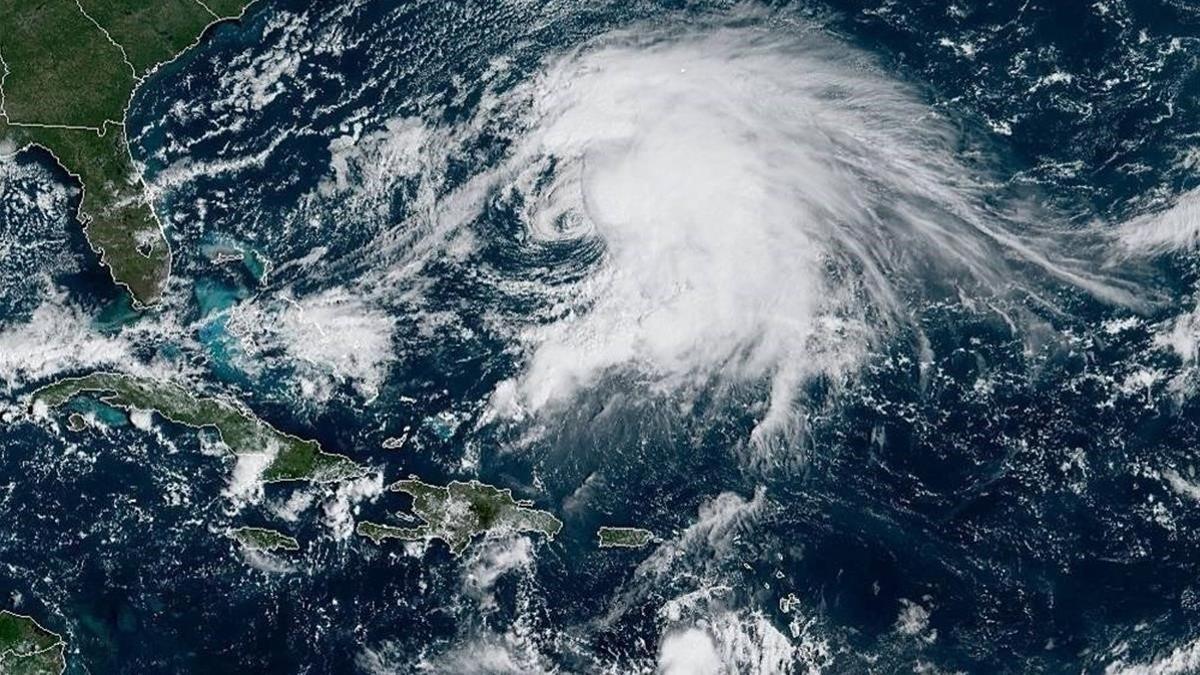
<point x="154" y="31"/>
<point x="262" y="539"/>
<point x="378" y="532"/>
<point x="67" y="73"/>
<point x="293" y="458"/>
<point x="458" y="512"/>
<point x="626" y="537"/>
<point x="28" y="649"/>
<point x="76" y="422"/>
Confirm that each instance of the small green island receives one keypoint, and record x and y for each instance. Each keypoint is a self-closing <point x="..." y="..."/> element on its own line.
<point x="624" y="537"/>
<point x="263" y="540"/>
<point x="68" y="71"/>
<point x="292" y="458"/>
<point x="29" y="649"/>
<point x="459" y="512"/>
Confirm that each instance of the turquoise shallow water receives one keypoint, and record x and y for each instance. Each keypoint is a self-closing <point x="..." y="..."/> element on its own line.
<point x="104" y="414"/>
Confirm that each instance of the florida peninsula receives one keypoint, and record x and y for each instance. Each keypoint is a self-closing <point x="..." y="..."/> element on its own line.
<point x="68" y="71"/>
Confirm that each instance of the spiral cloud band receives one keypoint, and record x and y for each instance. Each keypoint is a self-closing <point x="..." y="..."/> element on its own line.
<point x="766" y="204"/>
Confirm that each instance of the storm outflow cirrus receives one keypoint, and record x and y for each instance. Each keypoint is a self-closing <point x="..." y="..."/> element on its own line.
<point x="769" y="204"/>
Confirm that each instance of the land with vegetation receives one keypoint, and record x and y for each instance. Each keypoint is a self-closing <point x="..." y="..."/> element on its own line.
<point x="263" y="539"/>
<point x="625" y="537"/>
<point x="291" y="458"/>
<point x="26" y="648"/>
<point x="68" y="71"/>
<point x="459" y="512"/>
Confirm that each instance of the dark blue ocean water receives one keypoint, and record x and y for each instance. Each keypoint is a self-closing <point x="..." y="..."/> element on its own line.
<point x="1029" y="520"/>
